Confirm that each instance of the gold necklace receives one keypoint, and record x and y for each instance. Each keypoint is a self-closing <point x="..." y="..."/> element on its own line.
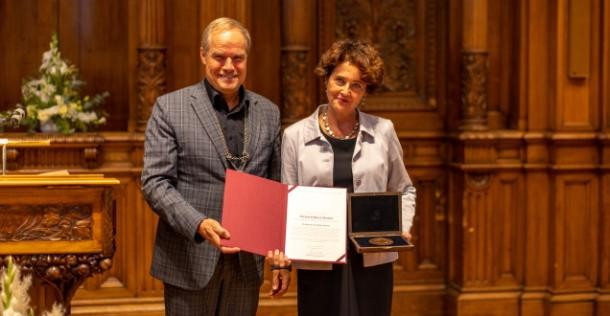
<point x="330" y="133"/>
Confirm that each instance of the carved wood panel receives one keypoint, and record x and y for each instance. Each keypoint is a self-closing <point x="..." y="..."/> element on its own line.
<point x="474" y="91"/>
<point x="46" y="222"/>
<point x="478" y="251"/>
<point x="427" y="261"/>
<point x="575" y="231"/>
<point x="508" y="240"/>
<point x="537" y="230"/>
<point x="406" y="33"/>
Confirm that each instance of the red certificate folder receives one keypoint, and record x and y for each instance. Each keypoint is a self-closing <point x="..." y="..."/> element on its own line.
<point x="256" y="212"/>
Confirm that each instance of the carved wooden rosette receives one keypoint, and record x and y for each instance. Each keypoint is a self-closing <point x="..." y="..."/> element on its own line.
<point x="477" y="182"/>
<point x="151" y="82"/>
<point x="294" y="82"/>
<point x="474" y="90"/>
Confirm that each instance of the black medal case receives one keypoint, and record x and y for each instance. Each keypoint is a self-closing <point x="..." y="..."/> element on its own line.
<point x="375" y="222"/>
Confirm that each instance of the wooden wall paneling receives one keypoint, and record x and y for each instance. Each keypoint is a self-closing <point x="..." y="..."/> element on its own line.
<point x="146" y="226"/>
<point x="603" y="301"/>
<point x="537" y="243"/>
<point x="418" y="300"/>
<point x="419" y="275"/>
<point x="424" y="264"/>
<point x="118" y="281"/>
<point x="475" y="65"/>
<point x="455" y="212"/>
<point x="453" y="68"/>
<point x="128" y="287"/>
<point x="508" y="239"/>
<point x="264" y="67"/>
<point x="477" y="217"/>
<point x="298" y="60"/>
<point x="503" y="54"/>
<point x="519" y="112"/>
<point x="241" y="10"/>
<point x="575" y="213"/>
<point x="574" y="242"/>
<point x="605" y="69"/>
<point x="407" y="36"/>
<point x="537" y="231"/>
<point x="22" y="49"/>
<point x="93" y="36"/>
<point x="576" y="100"/>
<point x="442" y="68"/>
<point x="131" y="107"/>
<point x="535" y="89"/>
<point x="151" y="77"/>
<point x="486" y="210"/>
<point x="237" y="9"/>
<point x="424" y="155"/>
<point x="575" y="231"/>
<point x="457" y="236"/>
<point x="183" y="29"/>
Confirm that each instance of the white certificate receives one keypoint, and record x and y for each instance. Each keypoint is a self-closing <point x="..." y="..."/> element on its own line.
<point x="316" y="220"/>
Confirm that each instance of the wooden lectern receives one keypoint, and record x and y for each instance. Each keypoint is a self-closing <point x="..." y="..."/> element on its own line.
<point x="59" y="228"/>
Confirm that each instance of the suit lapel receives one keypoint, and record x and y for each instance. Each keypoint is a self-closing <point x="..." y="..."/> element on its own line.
<point x="205" y="113"/>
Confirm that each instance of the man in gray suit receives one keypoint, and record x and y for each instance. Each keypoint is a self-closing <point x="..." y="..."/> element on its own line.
<point x="195" y="134"/>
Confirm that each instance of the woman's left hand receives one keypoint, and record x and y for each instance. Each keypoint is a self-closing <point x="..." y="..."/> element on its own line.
<point x="407" y="235"/>
<point x="280" y="270"/>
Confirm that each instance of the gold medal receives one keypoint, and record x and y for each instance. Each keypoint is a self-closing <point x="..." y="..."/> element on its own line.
<point x="381" y="241"/>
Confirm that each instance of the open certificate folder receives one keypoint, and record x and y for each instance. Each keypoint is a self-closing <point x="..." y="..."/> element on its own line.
<point x="307" y="223"/>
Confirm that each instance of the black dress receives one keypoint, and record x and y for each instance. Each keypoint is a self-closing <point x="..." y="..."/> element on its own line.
<point x="348" y="289"/>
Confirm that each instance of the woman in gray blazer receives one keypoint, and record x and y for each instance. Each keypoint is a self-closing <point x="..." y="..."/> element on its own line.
<point x="340" y="146"/>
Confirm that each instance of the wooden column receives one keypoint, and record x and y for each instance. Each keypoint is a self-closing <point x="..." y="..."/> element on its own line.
<point x="296" y="67"/>
<point x="604" y="298"/>
<point x="474" y="65"/>
<point x="486" y="189"/>
<point x="151" y="75"/>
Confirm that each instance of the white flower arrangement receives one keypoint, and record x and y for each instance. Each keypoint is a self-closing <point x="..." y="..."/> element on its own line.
<point x="14" y="295"/>
<point x="54" y="97"/>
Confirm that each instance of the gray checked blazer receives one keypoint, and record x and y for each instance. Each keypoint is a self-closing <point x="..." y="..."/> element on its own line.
<point x="183" y="180"/>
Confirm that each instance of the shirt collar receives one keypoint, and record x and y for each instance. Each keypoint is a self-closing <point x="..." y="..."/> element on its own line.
<point x="218" y="101"/>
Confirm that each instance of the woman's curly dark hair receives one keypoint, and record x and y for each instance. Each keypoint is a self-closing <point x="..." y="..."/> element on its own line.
<point x="359" y="53"/>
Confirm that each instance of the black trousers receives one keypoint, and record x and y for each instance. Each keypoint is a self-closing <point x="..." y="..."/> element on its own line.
<point x="346" y="290"/>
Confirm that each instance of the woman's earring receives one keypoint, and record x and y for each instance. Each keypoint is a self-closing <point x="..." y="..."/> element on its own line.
<point x="362" y="102"/>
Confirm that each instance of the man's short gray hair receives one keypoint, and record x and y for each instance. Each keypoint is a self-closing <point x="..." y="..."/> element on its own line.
<point x="223" y="24"/>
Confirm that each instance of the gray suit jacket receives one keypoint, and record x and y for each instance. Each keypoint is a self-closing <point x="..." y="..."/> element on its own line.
<point x="183" y="180"/>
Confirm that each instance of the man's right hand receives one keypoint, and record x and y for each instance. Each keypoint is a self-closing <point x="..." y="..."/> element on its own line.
<point x="212" y="231"/>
